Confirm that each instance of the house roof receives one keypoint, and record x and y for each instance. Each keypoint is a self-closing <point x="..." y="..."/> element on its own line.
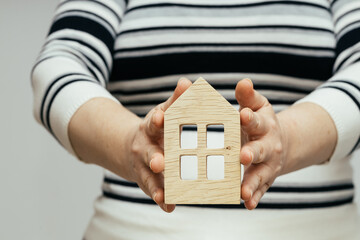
<point x="202" y="93"/>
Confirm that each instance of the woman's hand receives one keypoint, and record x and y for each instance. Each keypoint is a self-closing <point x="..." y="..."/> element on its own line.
<point x="105" y="133"/>
<point x="146" y="154"/>
<point x="263" y="149"/>
<point x="275" y="144"/>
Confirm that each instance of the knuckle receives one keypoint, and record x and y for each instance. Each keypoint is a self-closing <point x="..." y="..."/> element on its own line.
<point x="259" y="178"/>
<point x="272" y="124"/>
<point x="257" y="122"/>
<point x="253" y="138"/>
<point x="143" y="125"/>
<point x="137" y="170"/>
<point x="278" y="148"/>
<point x="261" y="153"/>
<point x="278" y="170"/>
<point x="147" y="180"/>
<point x="266" y="102"/>
<point x="136" y="148"/>
<point x="266" y="187"/>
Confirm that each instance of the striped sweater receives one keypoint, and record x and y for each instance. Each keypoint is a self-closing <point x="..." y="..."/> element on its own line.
<point x="134" y="51"/>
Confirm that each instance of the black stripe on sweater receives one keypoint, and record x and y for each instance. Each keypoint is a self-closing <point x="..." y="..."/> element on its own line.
<point x="347" y="93"/>
<point x="296" y="3"/>
<point x="89" y="13"/>
<point x="222" y="62"/>
<point x="347" y="82"/>
<point x="217" y="86"/>
<point x="55" y="94"/>
<point x="333" y="3"/>
<point x="356" y="146"/>
<point x="85" y="25"/>
<point x="97" y="2"/>
<point x="224" y="45"/>
<point x="278" y="189"/>
<point x="232" y="101"/>
<point x="345" y="14"/>
<point x="48" y="90"/>
<point x="261" y="205"/>
<point x="356" y="102"/>
<point x="78" y="54"/>
<point x="274" y="27"/>
<point x="120" y="182"/>
<point x="86" y="45"/>
<point x="347" y="58"/>
<point x="358" y="88"/>
<point x="311" y="189"/>
<point x="349" y="39"/>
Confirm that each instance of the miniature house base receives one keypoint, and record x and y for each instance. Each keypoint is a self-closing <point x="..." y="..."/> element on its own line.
<point x="202" y="105"/>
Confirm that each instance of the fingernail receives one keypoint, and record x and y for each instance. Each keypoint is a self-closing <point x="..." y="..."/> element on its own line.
<point x="249" y="80"/>
<point x="252" y="204"/>
<point x="250" y="115"/>
<point x="255" y="204"/>
<point x="166" y="207"/>
<point x="150" y="164"/>
<point x="251" y="156"/>
<point x="182" y="79"/>
<point x="154" y="196"/>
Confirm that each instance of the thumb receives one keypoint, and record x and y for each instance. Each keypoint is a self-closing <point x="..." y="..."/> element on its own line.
<point x="155" y="119"/>
<point x="248" y="97"/>
<point x="182" y="85"/>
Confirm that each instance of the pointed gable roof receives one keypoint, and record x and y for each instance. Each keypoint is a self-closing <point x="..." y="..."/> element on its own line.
<point x="201" y="93"/>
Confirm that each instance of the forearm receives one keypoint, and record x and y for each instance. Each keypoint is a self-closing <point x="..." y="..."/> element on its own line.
<point x="310" y="136"/>
<point x="99" y="133"/>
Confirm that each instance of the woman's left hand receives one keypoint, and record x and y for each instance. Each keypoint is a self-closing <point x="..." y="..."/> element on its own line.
<point x="264" y="142"/>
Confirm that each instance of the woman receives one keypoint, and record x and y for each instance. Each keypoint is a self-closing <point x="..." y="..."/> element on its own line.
<point x="100" y="53"/>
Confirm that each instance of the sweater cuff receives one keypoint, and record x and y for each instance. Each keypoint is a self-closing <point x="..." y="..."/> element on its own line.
<point x="67" y="102"/>
<point x="345" y="115"/>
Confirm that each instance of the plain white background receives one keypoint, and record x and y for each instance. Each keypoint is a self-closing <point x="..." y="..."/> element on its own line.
<point x="44" y="192"/>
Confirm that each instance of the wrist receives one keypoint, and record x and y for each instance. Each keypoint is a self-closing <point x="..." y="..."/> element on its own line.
<point x="121" y="134"/>
<point x="310" y="136"/>
<point x="98" y="132"/>
<point x="286" y="128"/>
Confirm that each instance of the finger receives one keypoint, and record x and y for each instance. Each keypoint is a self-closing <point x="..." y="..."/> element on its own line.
<point x="154" y="123"/>
<point x="168" y="207"/>
<point x="149" y="182"/>
<point x="155" y="158"/>
<point x="255" y="177"/>
<point x="152" y="185"/>
<point x="253" y="152"/>
<point x="182" y="85"/>
<point x="254" y="201"/>
<point x="248" y="97"/>
<point x="159" y="198"/>
<point x="253" y="123"/>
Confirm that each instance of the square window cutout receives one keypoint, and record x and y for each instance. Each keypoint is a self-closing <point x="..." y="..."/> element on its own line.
<point x="188" y="167"/>
<point x="215" y="136"/>
<point x="188" y="136"/>
<point x="215" y="167"/>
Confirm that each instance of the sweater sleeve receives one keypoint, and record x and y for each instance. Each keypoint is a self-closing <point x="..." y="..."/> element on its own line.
<point x="340" y="95"/>
<point x="75" y="62"/>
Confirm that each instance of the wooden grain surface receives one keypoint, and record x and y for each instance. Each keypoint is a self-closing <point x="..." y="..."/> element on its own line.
<point x="202" y="105"/>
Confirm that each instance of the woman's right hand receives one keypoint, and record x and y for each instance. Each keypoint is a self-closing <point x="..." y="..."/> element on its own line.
<point x="146" y="157"/>
<point x="107" y="134"/>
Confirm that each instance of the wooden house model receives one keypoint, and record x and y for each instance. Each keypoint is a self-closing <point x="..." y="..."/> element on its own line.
<point x="202" y="105"/>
